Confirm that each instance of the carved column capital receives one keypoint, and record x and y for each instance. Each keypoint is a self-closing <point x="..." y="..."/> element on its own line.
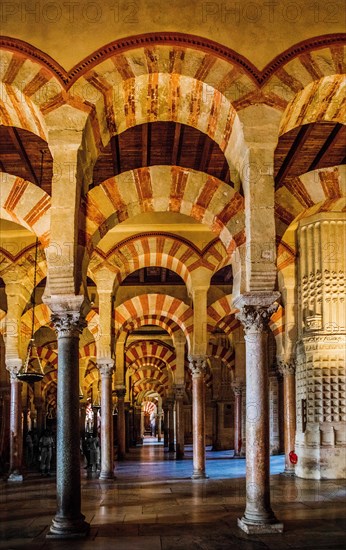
<point x="197" y="364"/>
<point x="106" y="367"/>
<point x="179" y="391"/>
<point x="286" y="368"/>
<point x="68" y="323"/>
<point x="13" y="366"/>
<point x="256" y="318"/>
<point x="238" y="388"/>
<point x="120" y="392"/>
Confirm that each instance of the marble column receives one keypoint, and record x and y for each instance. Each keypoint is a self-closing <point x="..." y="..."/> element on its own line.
<point x="16" y="432"/>
<point x="120" y="393"/>
<point x="170" y="404"/>
<point x="197" y="367"/>
<point x="106" y="368"/>
<point x="165" y="425"/>
<point x="255" y="312"/>
<point x="159" y="426"/>
<point x="69" y="521"/>
<point x="287" y="369"/>
<point x="179" y="420"/>
<point x="238" y="407"/>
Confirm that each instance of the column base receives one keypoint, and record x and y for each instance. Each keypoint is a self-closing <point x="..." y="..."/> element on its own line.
<point x="199" y="475"/>
<point x="238" y="456"/>
<point x="15" y="477"/>
<point x="260" y="528"/>
<point x="289" y="472"/>
<point x="64" y="528"/>
<point x="106" y="475"/>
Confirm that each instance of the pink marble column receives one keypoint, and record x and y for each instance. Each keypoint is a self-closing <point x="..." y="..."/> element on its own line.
<point x="165" y="425"/>
<point x="16" y="432"/>
<point x="197" y="367"/>
<point x="159" y="423"/>
<point x="180" y="425"/>
<point x="170" y="405"/>
<point x="287" y="369"/>
<point x="238" y="406"/>
<point x="106" y="368"/>
<point x="121" y="427"/>
<point x="255" y="313"/>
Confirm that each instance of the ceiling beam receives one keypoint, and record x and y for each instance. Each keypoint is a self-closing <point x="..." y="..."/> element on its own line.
<point x="177" y="143"/>
<point x="323" y="152"/>
<point x="206" y="154"/>
<point x="23" y="154"/>
<point x="295" y="149"/>
<point x="115" y="148"/>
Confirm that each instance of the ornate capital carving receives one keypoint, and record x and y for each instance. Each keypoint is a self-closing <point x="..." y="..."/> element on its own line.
<point x="179" y="391"/>
<point x="120" y="392"/>
<point x="68" y="323"/>
<point x="256" y="318"/>
<point x="197" y="365"/>
<point x="13" y="366"/>
<point x="238" y="388"/>
<point x="286" y="367"/>
<point x="106" y="367"/>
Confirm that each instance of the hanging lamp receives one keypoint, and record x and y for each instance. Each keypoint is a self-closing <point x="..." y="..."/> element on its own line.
<point x="32" y="369"/>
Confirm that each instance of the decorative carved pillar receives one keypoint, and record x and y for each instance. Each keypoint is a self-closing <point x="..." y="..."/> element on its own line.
<point x="170" y="405"/>
<point x="321" y="349"/>
<point x="255" y="312"/>
<point x="179" y="420"/>
<point x="120" y="393"/>
<point x="16" y="433"/>
<point x="238" y="407"/>
<point x="69" y="521"/>
<point x="287" y="369"/>
<point x="106" y="368"/>
<point x="197" y="367"/>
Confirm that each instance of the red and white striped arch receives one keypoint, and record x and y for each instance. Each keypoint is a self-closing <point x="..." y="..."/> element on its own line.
<point x="41" y="319"/>
<point x="321" y="190"/>
<point x="165" y="189"/>
<point x="218" y="311"/>
<point x="162" y="250"/>
<point x="25" y="203"/>
<point x="147" y="349"/>
<point x="221" y="352"/>
<point x="147" y="306"/>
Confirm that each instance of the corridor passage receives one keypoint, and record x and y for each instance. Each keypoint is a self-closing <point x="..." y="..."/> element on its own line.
<point x="154" y="505"/>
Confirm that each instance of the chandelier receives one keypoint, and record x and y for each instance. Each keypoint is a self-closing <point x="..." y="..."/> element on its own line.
<point x="32" y="369"/>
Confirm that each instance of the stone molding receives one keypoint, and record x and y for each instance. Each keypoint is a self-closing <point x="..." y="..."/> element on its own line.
<point x="238" y="388"/>
<point x="67" y="78"/>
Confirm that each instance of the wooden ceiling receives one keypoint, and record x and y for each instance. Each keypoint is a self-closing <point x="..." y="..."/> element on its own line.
<point x="21" y="155"/>
<point x="161" y="143"/>
<point x="163" y="276"/>
<point x="307" y="148"/>
<point x="301" y="150"/>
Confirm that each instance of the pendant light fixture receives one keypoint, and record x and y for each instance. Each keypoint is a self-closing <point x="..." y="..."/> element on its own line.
<point x="32" y="369"/>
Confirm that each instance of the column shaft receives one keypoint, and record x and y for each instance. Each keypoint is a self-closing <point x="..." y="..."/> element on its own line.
<point x="107" y="447"/>
<point x="258" y="516"/>
<point x="16" y="434"/>
<point x="197" y="367"/>
<point x="121" y="423"/>
<point x="180" y="427"/>
<point x="171" y="426"/>
<point x="68" y="521"/>
<point x="237" y="422"/>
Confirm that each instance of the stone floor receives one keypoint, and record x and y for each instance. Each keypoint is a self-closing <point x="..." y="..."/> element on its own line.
<point x="154" y="505"/>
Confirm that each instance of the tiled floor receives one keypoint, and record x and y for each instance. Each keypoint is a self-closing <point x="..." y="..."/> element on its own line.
<point x="154" y="505"/>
